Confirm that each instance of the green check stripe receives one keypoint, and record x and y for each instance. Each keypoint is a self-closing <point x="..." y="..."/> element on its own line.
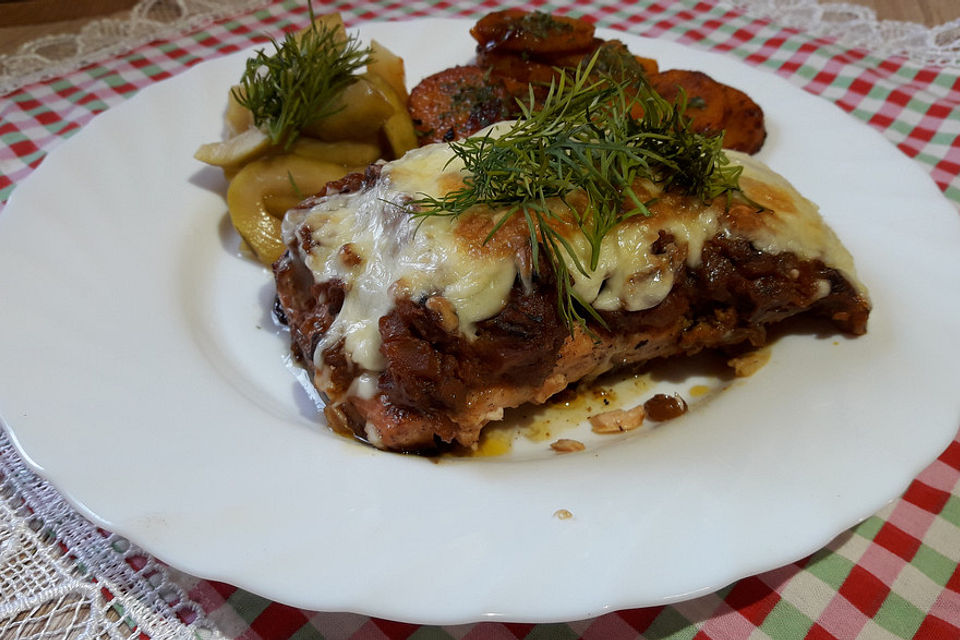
<point x="786" y="622"/>
<point x="247" y="605"/>
<point x="832" y="568"/>
<point x="899" y="617"/>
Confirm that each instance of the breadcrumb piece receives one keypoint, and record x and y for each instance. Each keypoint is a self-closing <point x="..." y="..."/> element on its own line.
<point x="618" y="420"/>
<point x="447" y="314"/>
<point x="566" y="445"/>
<point x="562" y="514"/>
<point x="749" y="363"/>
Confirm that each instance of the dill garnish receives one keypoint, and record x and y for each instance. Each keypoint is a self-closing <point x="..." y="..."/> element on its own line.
<point x="542" y="25"/>
<point x="613" y="59"/>
<point x="583" y="139"/>
<point x="297" y="84"/>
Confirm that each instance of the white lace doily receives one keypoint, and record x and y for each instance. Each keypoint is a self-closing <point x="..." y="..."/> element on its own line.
<point x="105" y="588"/>
<point x="857" y="26"/>
<point x="54" y="55"/>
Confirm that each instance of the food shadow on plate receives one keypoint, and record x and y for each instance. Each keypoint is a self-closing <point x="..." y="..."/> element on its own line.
<point x="210" y="179"/>
<point x="808" y="326"/>
<point x="541" y="431"/>
<point x="304" y="396"/>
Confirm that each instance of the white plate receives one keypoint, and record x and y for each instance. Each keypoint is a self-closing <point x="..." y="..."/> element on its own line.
<point x="143" y="377"/>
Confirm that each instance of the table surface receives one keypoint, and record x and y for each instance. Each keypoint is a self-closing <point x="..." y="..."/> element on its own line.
<point x="25" y="20"/>
<point x="897" y="575"/>
<point x="928" y="12"/>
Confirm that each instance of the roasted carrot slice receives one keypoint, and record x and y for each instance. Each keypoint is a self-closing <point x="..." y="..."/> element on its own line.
<point x="705" y="97"/>
<point x="715" y="107"/>
<point x="568" y="58"/>
<point x="515" y="66"/>
<point x="743" y="122"/>
<point x="649" y="65"/>
<point x="456" y="103"/>
<point x="534" y="32"/>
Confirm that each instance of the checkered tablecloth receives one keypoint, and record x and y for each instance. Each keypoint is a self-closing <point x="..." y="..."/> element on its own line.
<point x="895" y="575"/>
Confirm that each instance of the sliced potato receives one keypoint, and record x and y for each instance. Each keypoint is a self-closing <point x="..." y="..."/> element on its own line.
<point x="235" y="151"/>
<point x="275" y="203"/>
<point x="237" y="117"/>
<point x="346" y="152"/>
<point x="398" y="128"/>
<point x="265" y="182"/>
<point x="259" y="194"/>
<point x="363" y="108"/>
<point x="330" y="22"/>
<point x="389" y="66"/>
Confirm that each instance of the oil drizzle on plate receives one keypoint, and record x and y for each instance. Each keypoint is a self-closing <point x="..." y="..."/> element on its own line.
<point x="697" y="379"/>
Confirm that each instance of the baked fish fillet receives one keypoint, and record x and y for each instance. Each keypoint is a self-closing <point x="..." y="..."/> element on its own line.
<point x="420" y="331"/>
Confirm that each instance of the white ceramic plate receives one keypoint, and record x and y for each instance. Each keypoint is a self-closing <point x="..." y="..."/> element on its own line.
<point x="143" y="377"/>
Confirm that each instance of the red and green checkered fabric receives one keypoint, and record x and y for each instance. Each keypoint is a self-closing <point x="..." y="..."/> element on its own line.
<point x="895" y="575"/>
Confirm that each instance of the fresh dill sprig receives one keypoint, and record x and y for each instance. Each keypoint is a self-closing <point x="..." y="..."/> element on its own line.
<point x="298" y="82"/>
<point x="584" y="138"/>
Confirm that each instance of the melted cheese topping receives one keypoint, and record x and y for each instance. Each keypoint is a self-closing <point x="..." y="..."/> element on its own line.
<point x="790" y="221"/>
<point x="370" y="242"/>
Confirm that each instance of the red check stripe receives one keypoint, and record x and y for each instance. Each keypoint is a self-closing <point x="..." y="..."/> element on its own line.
<point x="926" y="497"/>
<point x="864" y="591"/>
<point x="954" y="583"/>
<point x="896" y="540"/>
<point x="817" y="632"/>
<point x="952" y="455"/>
<point x="753" y="599"/>
<point x="933" y="628"/>
<point x="278" y="621"/>
<point x="640" y="619"/>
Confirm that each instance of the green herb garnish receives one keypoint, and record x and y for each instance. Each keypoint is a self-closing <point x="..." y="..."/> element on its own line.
<point x="540" y="24"/>
<point x="297" y="84"/>
<point x="613" y="59"/>
<point x="584" y="139"/>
